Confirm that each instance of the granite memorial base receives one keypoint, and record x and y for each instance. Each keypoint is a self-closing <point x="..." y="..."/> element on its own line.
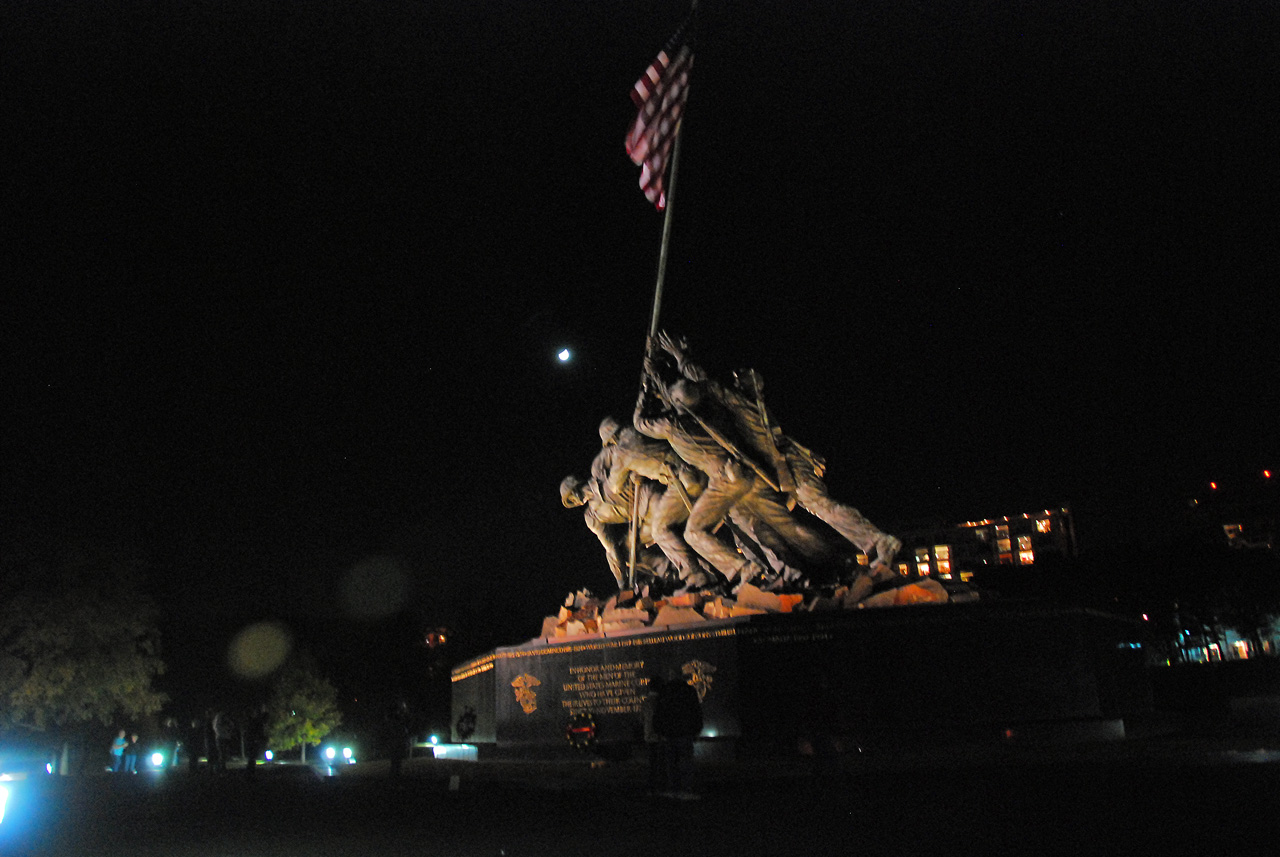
<point x="940" y="673"/>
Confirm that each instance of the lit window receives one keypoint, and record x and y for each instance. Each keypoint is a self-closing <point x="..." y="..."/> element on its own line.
<point x="1006" y="559"/>
<point x="922" y="562"/>
<point x="904" y="569"/>
<point x="1024" y="543"/>
<point x="1026" y="557"/>
<point x="966" y="576"/>
<point x="1004" y="545"/>
<point x="1043" y="525"/>
<point x="863" y="559"/>
<point x="1002" y="530"/>
<point x="1232" y="530"/>
<point x="983" y="535"/>
<point x="942" y="552"/>
<point x="944" y="568"/>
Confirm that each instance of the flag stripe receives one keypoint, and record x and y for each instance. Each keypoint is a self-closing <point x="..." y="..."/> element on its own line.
<point x="659" y="96"/>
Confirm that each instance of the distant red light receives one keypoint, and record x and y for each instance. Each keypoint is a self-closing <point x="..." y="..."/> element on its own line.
<point x="1213" y="485"/>
<point x="1266" y="474"/>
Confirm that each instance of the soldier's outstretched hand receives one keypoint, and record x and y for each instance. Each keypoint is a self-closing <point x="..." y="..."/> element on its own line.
<point x="676" y="347"/>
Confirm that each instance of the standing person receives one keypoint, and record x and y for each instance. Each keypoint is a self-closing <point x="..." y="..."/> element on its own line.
<point x="195" y="744"/>
<point x="117" y="752"/>
<point x="659" y="779"/>
<point x="192" y="740"/>
<point x="397" y="737"/>
<point x="255" y="739"/>
<point x="224" y="731"/>
<point x="677" y="718"/>
<point x="210" y="742"/>
<point x="131" y="755"/>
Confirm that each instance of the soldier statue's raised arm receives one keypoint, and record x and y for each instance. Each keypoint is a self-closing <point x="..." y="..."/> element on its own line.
<point x="762" y="511"/>
<point x="630" y="455"/>
<point x="797" y="466"/>
<point x="609" y="518"/>
<point x="728" y="480"/>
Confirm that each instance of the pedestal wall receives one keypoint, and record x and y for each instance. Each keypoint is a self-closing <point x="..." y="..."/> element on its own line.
<point x="770" y="678"/>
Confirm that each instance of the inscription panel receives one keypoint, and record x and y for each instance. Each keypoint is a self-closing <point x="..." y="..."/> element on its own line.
<point x="617" y="688"/>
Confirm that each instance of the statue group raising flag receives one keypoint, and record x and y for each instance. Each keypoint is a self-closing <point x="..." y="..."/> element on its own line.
<point x="741" y="576"/>
<point x="702" y="492"/>
<point x="700" y="467"/>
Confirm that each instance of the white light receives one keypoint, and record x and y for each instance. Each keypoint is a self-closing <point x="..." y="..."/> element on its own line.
<point x="157" y="760"/>
<point x="329" y="752"/>
<point x="435" y="740"/>
<point x="462" y="752"/>
<point x="346" y="752"/>
<point x="564" y="355"/>
<point x="268" y="755"/>
<point x="4" y="799"/>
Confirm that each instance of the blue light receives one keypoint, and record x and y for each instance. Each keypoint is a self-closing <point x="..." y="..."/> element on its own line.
<point x="460" y="752"/>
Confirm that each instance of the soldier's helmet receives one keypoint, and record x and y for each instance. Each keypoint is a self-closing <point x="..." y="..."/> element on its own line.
<point x="609" y="428"/>
<point x="571" y="492"/>
<point x="685" y="394"/>
<point x="749" y="381"/>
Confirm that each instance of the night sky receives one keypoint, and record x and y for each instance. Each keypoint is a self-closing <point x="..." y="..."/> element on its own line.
<point x="287" y="280"/>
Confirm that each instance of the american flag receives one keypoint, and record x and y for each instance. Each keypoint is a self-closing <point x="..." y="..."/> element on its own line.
<point x="659" y="96"/>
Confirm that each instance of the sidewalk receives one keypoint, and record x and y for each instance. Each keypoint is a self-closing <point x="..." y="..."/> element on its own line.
<point x="588" y="772"/>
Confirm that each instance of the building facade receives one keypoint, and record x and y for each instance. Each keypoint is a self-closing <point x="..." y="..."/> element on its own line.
<point x="962" y="552"/>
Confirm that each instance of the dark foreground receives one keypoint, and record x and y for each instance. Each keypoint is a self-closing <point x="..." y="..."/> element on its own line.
<point x="1099" y="801"/>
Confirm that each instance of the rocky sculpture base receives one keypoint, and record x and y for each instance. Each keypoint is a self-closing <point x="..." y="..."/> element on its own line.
<point x="959" y="671"/>
<point x="583" y="613"/>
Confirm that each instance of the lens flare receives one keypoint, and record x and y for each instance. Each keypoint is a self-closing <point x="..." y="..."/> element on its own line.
<point x="259" y="650"/>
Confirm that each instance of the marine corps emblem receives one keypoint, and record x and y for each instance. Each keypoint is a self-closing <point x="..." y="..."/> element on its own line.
<point x="525" y="694"/>
<point x="700" y="674"/>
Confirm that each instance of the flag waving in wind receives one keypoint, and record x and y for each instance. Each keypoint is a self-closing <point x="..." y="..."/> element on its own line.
<point x="659" y="96"/>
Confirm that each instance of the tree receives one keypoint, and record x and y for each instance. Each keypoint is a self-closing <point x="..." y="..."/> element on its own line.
<point x="78" y="644"/>
<point x="302" y="710"/>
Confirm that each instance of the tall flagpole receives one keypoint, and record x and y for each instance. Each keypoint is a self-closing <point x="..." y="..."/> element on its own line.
<point x="633" y="535"/>
<point x="654" y="314"/>
<point x="666" y="238"/>
<point x="666" y="225"/>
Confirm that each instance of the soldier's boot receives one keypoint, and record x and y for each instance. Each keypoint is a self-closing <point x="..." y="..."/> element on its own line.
<point x="887" y="548"/>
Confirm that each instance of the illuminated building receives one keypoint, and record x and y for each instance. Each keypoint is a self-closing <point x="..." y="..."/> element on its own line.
<point x="1243" y="507"/>
<point x="960" y="552"/>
